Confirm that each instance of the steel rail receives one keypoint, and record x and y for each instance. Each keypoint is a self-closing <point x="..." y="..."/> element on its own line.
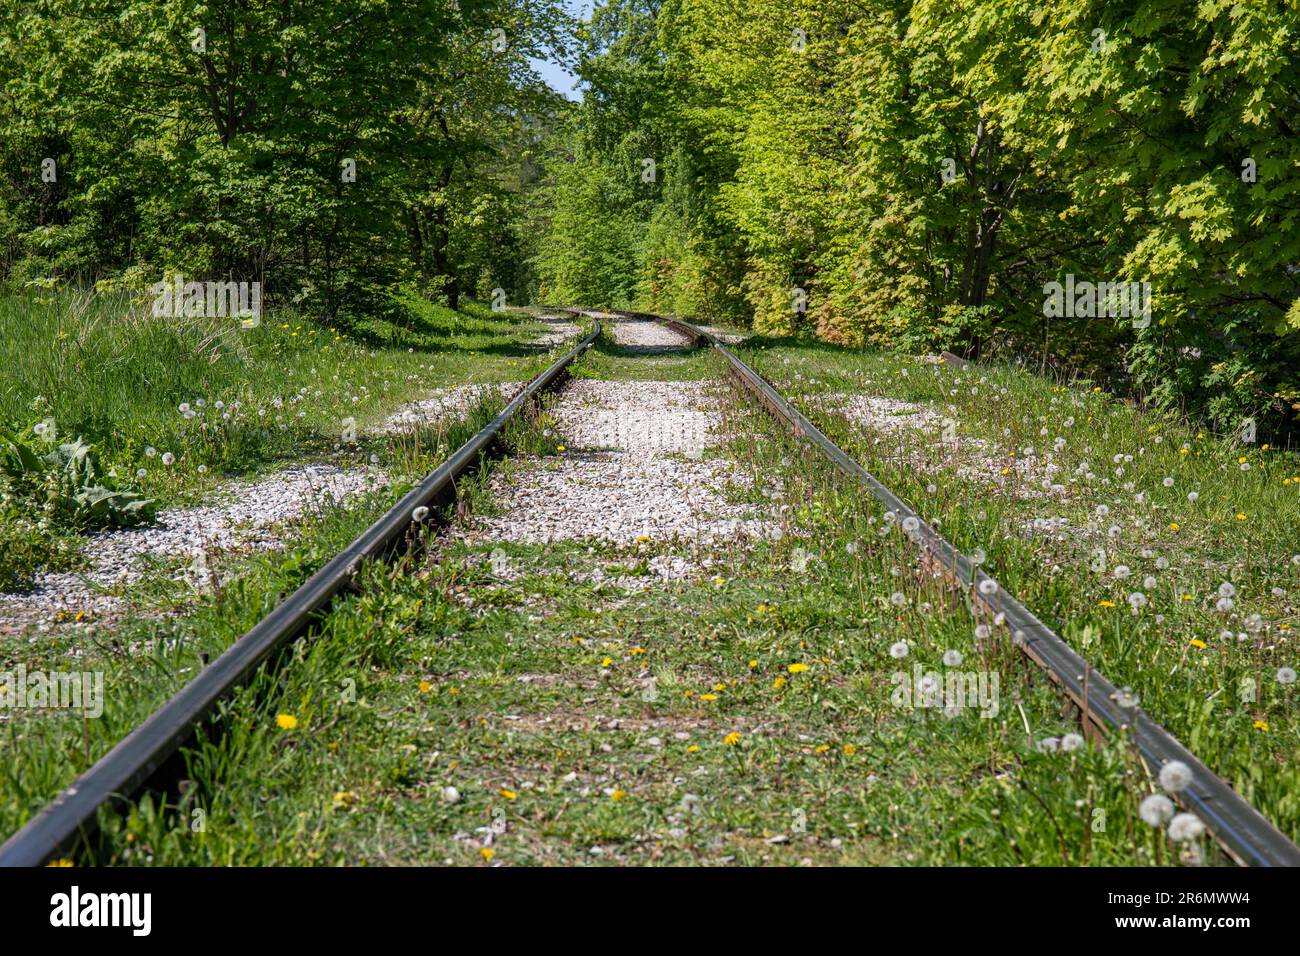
<point x="1239" y="828"/>
<point x="121" y="771"/>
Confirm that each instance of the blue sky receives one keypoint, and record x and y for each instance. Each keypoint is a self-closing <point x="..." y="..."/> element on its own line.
<point x="556" y="77"/>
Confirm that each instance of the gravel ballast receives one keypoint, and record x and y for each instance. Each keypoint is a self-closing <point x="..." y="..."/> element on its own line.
<point x="252" y="520"/>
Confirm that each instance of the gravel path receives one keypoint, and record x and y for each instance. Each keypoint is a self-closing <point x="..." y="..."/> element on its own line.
<point x="645" y="336"/>
<point x="252" y="521"/>
<point x="632" y="469"/>
<point x="561" y="329"/>
<point x="454" y="401"/>
<point x="913" y="433"/>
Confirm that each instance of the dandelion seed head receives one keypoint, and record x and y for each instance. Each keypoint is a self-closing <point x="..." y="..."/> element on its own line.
<point x="1156" y="810"/>
<point x="952" y="658"/>
<point x="898" y="651"/>
<point x="1185" y="827"/>
<point x="1175" y="776"/>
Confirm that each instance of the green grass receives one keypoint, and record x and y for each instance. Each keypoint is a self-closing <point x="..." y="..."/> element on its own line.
<point x="765" y="680"/>
<point x="104" y="369"/>
<point x="1224" y="699"/>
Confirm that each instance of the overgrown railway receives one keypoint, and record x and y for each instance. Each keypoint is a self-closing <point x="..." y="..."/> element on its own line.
<point x="140" y="758"/>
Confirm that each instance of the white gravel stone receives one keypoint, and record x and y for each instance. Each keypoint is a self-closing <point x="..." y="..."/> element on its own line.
<point x="561" y="329"/>
<point x="452" y="402"/>
<point x="631" y="468"/>
<point x="645" y="335"/>
<point x="251" y="521"/>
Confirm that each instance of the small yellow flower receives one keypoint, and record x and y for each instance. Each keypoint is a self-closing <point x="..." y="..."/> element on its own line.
<point x="779" y="683"/>
<point x="797" y="668"/>
<point x="344" y="798"/>
<point x="508" y="794"/>
<point x="1174" y="526"/>
<point x="693" y="749"/>
<point x="731" y="739"/>
<point x="425" y="687"/>
<point x="617" y="795"/>
<point x="1106" y="603"/>
<point x="1261" y="725"/>
<point x="753" y="664"/>
<point x="1241" y="460"/>
<point x="62" y="861"/>
<point x="822" y="748"/>
<point x="850" y="750"/>
<point x="708" y="697"/>
<point x="559" y="448"/>
<point x="1196" y="642"/>
<point x="637" y="650"/>
<point x="286" y="721"/>
<point x="719" y="686"/>
<point x="606" y="662"/>
<point x="1187" y="597"/>
<point x="642" y="539"/>
<point x="487" y="853"/>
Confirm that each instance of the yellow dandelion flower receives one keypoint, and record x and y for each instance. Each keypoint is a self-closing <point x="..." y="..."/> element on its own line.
<point x="508" y="794"/>
<point x="1187" y="597"/>
<point x="637" y="650"/>
<point x="822" y="748"/>
<point x="753" y="664"/>
<point x="779" y="683"/>
<point x="1174" y="526"/>
<point x="425" y="687"/>
<point x="487" y="853"/>
<point x="606" y="662"/>
<point x="719" y="686"/>
<point x="1261" y="725"/>
<point x="559" y="448"/>
<point x="693" y="749"/>
<point x="1107" y="603"/>
<point x="731" y="739"/>
<point x="286" y="721"/>
<point x="1197" y="642"/>
<point x="797" y="668"/>
<point x="850" y="750"/>
<point x="617" y="795"/>
<point x="708" y="697"/>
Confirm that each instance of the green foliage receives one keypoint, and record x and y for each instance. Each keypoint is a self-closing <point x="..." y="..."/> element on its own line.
<point x="326" y="150"/>
<point x="922" y="169"/>
<point x="65" y="483"/>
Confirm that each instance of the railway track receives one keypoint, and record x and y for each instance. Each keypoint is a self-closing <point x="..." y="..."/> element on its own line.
<point x="1244" y="834"/>
<point x="1238" y="827"/>
<point x="71" y="816"/>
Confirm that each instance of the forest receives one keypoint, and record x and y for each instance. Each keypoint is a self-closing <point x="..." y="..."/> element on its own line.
<point x="907" y="175"/>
